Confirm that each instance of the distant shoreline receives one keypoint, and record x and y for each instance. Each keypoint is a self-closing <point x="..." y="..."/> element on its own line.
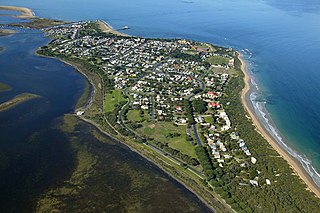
<point x="26" y="13"/>
<point x="294" y="163"/>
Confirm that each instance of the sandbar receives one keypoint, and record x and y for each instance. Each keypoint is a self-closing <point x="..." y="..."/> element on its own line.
<point x="17" y="100"/>
<point x="26" y="13"/>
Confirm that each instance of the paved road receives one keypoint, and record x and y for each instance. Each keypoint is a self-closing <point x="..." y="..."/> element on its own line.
<point x="194" y="127"/>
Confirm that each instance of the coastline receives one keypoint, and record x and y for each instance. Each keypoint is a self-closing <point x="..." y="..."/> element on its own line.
<point x="26" y="13"/>
<point x="294" y="164"/>
<point x="130" y="147"/>
<point x="148" y="154"/>
<point x="148" y="159"/>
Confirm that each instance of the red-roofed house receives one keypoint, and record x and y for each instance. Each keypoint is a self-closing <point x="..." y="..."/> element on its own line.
<point x="212" y="94"/>
<point x="213" y="105"/>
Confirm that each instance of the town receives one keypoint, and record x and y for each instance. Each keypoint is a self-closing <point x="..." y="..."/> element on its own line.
<point x="167" y="93"/>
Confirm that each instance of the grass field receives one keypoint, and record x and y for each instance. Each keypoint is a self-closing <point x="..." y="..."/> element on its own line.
<point x="209" y="119"/>
<point x="111" y="99"/>
<point x="134" y="115"/>
<point x="160" y="131"/>
<point x="218" y="60"/>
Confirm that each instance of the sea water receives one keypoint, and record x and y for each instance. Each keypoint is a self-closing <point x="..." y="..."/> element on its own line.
<point x="281" y="40"/>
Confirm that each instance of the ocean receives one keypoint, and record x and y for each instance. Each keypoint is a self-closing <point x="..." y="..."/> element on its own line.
<point x="279" y="39"/>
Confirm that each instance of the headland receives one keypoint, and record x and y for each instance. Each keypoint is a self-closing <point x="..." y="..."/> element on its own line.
<point x="199" y="134"/>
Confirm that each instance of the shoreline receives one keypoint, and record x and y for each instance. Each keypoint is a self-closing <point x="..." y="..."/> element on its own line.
<point x="90" y="99"/>
<point x="26" y="13"/>
<point x="125" y="144"/>
<point x="148" y="159"/>
<point x="294" y="163"/>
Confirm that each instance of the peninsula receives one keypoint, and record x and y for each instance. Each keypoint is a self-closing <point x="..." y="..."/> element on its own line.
<point x="177" y="102"/>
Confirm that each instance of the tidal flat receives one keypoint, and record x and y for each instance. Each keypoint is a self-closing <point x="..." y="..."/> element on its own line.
<point x="106" y="175"/>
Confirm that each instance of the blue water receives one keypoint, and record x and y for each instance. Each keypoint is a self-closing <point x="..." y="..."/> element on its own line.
<point x="283" y="37"/>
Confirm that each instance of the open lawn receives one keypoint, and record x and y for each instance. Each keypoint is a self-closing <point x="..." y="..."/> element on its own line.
<point x="161" y="131"/>
<point x="218" y="60"/>
<point x="134" y="115"/>
<point x="111" y="99"/>
<point x="205" y="46"/>
<point x="209" y="119"/>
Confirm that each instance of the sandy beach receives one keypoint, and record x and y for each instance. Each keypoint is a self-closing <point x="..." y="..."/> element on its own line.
<point x="106" y="28"/>
<point x="26" y="13"/>
<point x="295" y="164"/>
